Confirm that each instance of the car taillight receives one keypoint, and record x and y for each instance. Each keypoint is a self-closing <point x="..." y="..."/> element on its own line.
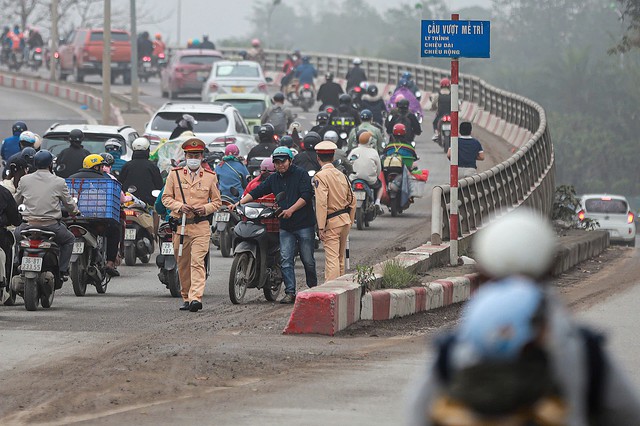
<point x="225" y="139"/>
<point x="213" y="87"/>
<point x="262" y="87"/>
<point x="581" y="215"/>
<point x="358" y="186"/>
<point x="630" y="217"/>
<point x="152" y="138"/>
<point x="146" y="59"/>
<point x="307" y="86"/>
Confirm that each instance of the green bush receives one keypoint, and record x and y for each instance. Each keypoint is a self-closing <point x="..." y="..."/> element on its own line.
<point x="395" y="275"/>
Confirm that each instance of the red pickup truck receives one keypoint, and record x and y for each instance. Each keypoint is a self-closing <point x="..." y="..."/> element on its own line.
<point x="81" y="54"/>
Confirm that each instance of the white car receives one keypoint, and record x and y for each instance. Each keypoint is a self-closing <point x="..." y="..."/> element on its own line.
<point x="217" y="124"/>
<point x="613" y="214"/>
<point x="234" y="77"/>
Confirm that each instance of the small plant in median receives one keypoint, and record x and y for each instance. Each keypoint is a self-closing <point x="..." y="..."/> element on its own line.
<point x="395" y="275"/>
<point x="566" y="205"/>
<point x="365" y="277"/>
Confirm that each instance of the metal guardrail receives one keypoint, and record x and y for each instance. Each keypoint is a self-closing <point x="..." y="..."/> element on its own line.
<point x="526" y="178"/>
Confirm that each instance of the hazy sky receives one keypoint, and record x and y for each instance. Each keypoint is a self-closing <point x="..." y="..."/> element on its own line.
<point x="227" y="18"/>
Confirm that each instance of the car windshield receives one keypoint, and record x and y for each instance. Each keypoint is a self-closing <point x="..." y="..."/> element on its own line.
<point x="199" y="59"/>
<point x="207" y="122"/>
<point x="249" y="108"/>
<point x="597" y="205"/>
<point x="92" y="142"/>
<point x="237" y="70"/>
<point x="99" y="36"/>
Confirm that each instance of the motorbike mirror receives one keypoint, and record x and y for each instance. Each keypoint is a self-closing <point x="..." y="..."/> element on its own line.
<point x="280" y="196"/>
<point x="269" y="80"/>
<point x="155" y="193"/>
<point x="22" y="208"/>
<point x="312" y="173"/>
<point x="256" y="129"/>
<point x="234" y="191"/>
<point x="132" y="189"/>
<point x="60" y="167"/>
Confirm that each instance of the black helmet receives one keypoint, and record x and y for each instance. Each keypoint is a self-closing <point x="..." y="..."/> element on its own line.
<point x="28" y="153"/>
<point x="310" y="140"/>
<point x="322" y="117"/>
<point x="76" y="135"/>
<point x="287" y="141"/>
<point x="372" y="90"/>
<point x="266" y="132"/>
<point x="329" y="76"/>
<point x="344" y="99"/>
<point x="19" y="127"/>
<point x="43" y="159"/>
<point x="17" y="162"/>
<point x="278" y="97"/>
<point x="403" y="104"/>
<point x="108" y="158"/>
<point x="366" y="115"/>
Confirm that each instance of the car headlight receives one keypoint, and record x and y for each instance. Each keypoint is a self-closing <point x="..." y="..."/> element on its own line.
<point x="252" y="212"/>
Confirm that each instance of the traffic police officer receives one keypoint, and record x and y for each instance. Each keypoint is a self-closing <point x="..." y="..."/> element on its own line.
<point x="335" y="210"/>
<point x="192" y="190"/>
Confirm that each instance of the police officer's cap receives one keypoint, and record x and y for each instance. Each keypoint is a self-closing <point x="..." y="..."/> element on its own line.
<point x="326" y="147"/>
<point x="193" y="145"/>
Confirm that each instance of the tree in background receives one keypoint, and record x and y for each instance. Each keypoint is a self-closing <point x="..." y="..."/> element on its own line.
<point x="629" y="13"/>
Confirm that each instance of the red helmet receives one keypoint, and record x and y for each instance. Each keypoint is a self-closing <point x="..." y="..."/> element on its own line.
<point x="445" y="82"/>
<point x="255" y="42"/>
<point x="399" y="129"/>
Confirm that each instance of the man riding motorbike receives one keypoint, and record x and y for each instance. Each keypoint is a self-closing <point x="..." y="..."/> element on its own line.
<point x="183" y="124"/>
<point x="206" y="43"/>
<point x="329" y="93"/>
<point x="345" y="110"/>
<point x="355" y="75"/>
<point x="70" y="159"/>
<point x="267" y="142"/>
<point x="401" y="145"/>
<point x="16" y="167"/>
<point x="441" y="103"/>
<point x="256" y="53"/>
<point x="231" y="173"/>
<point x="11" y="145"/>
<point x="278" y="115"/>
<point x="377" y="138"/>
<point x="406" y="80"/>
<point x="308" y="159"/>
<point x="340" y="159"/>
<point x="373" y="101"/>
<point x="114" y="147"/>
<point x="322" y="124"/>
<point x="306" y="72"/>
<point x="141" y="172"/>
<point x="145" y="45"/>
<point x="366" y="165"/>
<point x="402" y="115"/>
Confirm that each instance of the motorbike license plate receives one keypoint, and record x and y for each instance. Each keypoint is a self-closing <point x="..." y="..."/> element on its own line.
<point x="146" y="64"/>
<point x="237" y="89"/>
<point x="78" y="247"/>
<point x="222" y="217"/>
<point x="360" y="195"/>
<point x="33" y="264"/>
<point x="306" y="94"/>
<point x="446" y="127"/>
<point x="166" y="249"/>
<point x="130" y="234"/>
<point x="37" y="56"/>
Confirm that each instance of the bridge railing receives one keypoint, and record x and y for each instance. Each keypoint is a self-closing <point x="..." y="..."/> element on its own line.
<point x="526" y="178"/>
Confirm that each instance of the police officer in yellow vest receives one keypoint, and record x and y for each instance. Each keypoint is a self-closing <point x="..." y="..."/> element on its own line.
<point x="192" y="190"/>
<point x="335" y="210"/>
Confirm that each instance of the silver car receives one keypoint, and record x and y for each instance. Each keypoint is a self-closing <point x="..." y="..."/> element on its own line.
<point x="234" y="77"/>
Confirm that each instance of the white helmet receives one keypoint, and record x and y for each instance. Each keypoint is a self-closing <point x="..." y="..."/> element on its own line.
<point x="28" y="137"/>
<point x="140" y="144"/>
<point x="357" y="61"/>
<point x="520" y="243"/>
<point x="331" y="136"/>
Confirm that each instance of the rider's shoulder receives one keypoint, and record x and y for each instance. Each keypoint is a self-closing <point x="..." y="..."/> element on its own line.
<point x="211" y="172"/>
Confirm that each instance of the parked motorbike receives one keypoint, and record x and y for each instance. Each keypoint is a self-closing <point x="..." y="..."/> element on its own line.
<point x="307" y="97"/>
<point x="138" y="233"/>
<point x="166" y="260"/>
<point x="444" y="132"/>
<point x="366" y="210"/>
<point x="39" y="274"/>
<point x="89" y="255"/>
<point x="225" y="221"/>
<point x="146" y="68"/>
<point x="256" y="255"/>
<point x="36" y="57"/>
<point x="16" y="60"/>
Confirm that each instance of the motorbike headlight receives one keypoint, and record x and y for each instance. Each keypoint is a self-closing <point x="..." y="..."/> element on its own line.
<point x="343" y="135"/>
<point x="252" y="212"/>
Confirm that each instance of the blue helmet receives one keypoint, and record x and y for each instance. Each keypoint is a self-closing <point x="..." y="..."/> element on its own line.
<point x="18" y="127"/>
<point x="366" y="114"/>
<point x="43" y="159"/>
<point x="282" y="153"/>
<point x="406" y="75"/>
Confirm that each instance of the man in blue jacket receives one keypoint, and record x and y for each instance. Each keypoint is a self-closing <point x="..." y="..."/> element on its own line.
<point x="305" y="72"/>
<point x="297" y="220"/>
<point x="231" y="173"/>
<point x="11" y="145"/>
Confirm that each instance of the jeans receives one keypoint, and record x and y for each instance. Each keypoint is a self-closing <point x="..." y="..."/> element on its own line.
<point x="305" y="239"/>
<point x="64" y="238"/>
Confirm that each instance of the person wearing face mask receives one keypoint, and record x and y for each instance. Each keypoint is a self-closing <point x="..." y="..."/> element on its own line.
<point x="114" y="148"/>
<point x="141" y="172"/>
<point x="192" y="191"/>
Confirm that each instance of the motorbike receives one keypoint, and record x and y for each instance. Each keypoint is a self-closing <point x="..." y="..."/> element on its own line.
<point x="397" y="193"/>
<point x="166" y="260"/>
<point x="39" y="274"/>
<point x="253" y="166"/>
<point x="138" y="233"/>
<point x="16" y="60"/>
<point x="256" y="254"/>
<point x="414" y="103"/>
<point x="343" y="127"/>
<point x="225" y="221"/>
<point x="36" y="57"/>
<point x="307" y="97"/>
<point x="146" y="68"/>
<point x="444" y="132"/>
<point x="160" y="61"/>
<point x="89" y="255"/>
<point x="291" y="92"/>
<point x="366" y="210"/>
<point x="356" y="97"/>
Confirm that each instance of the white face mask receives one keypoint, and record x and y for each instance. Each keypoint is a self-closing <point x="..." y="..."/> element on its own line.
<point x="193" y="163"/>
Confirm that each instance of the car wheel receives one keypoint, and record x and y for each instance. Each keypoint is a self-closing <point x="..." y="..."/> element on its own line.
<point x="126" y="78"/>
<point x="79" y="76"/>
<point x="632" y="243"/>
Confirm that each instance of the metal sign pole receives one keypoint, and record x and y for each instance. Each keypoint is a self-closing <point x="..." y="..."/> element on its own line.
<point x="453" y="217"/>
<point x="135" y="82"/>
<point x="106" y="64"/>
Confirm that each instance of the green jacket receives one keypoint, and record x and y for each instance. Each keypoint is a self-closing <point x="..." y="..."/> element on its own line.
<point x="377" y="141"/>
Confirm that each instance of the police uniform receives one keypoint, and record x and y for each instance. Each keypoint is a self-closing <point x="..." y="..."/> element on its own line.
<point x="335" y="211"/>
<point x="200" y="189"/>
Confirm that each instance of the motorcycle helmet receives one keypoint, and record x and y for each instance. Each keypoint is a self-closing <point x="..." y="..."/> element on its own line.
<point x="16" y="163"/>
<point x="267" y="165"/>
<point x="287" y="141"/>
<point x="28" y="154"/>
<point x="187" y="121"/>
<point x="344" y="99"/>
<point x="329" y="76"/>
<point x="399" y="129"/>
<point x="322" y="118"/>
<point x="306" y="59"/>
<point x="403" y="104"/>
<point x="310" y="140"/>
<point x="232" y="149"/>
<point x="18" y="127"/>
<point x="331" y="136"/>
<point x="357" y="61"/>
<point x="372" y="90"/>
<point x="76" y="135"/>
<point x="93" y="160"/>
<point x="112" y="144"/>
<point x="266" y="133"/>
<point x="158" y="36"/>
<point x="43" y="159"/>
<point x="406" y="75"/>
<point x="108" y="158"/>
<point x="520" y="243"/>
<point x="140" y="144"/>
<point x="366" y="115"/>
<point x="278" y="97"/>
<point x="282" y="153"/>
<point x="27" y="138"/>
<point x="445" y="82"/>
<point x="255" y="42"/>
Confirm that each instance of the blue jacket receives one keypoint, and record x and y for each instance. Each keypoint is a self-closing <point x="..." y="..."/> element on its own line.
<point x="231" y="174"/>
<point x="118" y="163"/>
<point x="296" y="184"/>
<point x="160" y="208"/>
<point x="306" y="73"/>
<point x="10" y="146"/>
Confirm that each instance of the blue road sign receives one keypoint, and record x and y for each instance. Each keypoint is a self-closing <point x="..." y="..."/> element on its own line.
<point x="455" y="39"/>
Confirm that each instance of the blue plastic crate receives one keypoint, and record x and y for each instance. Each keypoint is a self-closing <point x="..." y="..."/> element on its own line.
<point x="97" y="198"/>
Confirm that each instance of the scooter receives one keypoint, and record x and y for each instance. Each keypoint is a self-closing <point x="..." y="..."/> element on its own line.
<point x="225" y="219"/>
<point x="366" y="210"/>
<point x="397" y="200"/>
<point x="39" y="275"/>
<point x="16" y="60"/>
<point x="145" y="68"/>
<point x="291" y="92"/>
<point x="444" y="135"/>
<point x="166" y="260"/>
<point x="307" y="97"/>
<point x="89" y="255"/>
<point x="343" y="127"/>
<point x="35" y="58"/>
<point x="256" y="254"/>
<point x="138" y="233"/>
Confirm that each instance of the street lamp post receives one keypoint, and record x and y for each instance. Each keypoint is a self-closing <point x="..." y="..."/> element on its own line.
<point x="106" y="64"/>
<point x="54" y="40"/>
<point x="272" y="8"/>
<point x="135" y="81"/>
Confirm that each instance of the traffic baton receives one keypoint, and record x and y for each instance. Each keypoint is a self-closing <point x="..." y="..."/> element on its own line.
<point x="346" y="262"/>
<point x="184" y="223"/>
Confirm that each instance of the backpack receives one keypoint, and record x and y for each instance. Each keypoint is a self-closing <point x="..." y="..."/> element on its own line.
<point x="408" y="124"/>
<point x="278" y="118"/>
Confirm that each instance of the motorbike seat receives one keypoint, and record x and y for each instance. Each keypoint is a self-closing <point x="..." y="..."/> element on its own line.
<point x="36" y="231"/>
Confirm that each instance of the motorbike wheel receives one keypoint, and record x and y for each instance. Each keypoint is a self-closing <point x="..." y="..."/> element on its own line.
<point x="173" y="283"/>
<point x="78" y="279"/>
<point x="226" y="242"/>
<point x="130" y="255"/>
<point x="145" y="259"/>
<point x="239" y="278"/>
<point x="46" y="300"/>
<point x="359" y="218"/>
<point x="31" y="297"/>
<point x="395" y="207"/>
<point x="271" y="292"/>
<point x="101" y="288"/>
